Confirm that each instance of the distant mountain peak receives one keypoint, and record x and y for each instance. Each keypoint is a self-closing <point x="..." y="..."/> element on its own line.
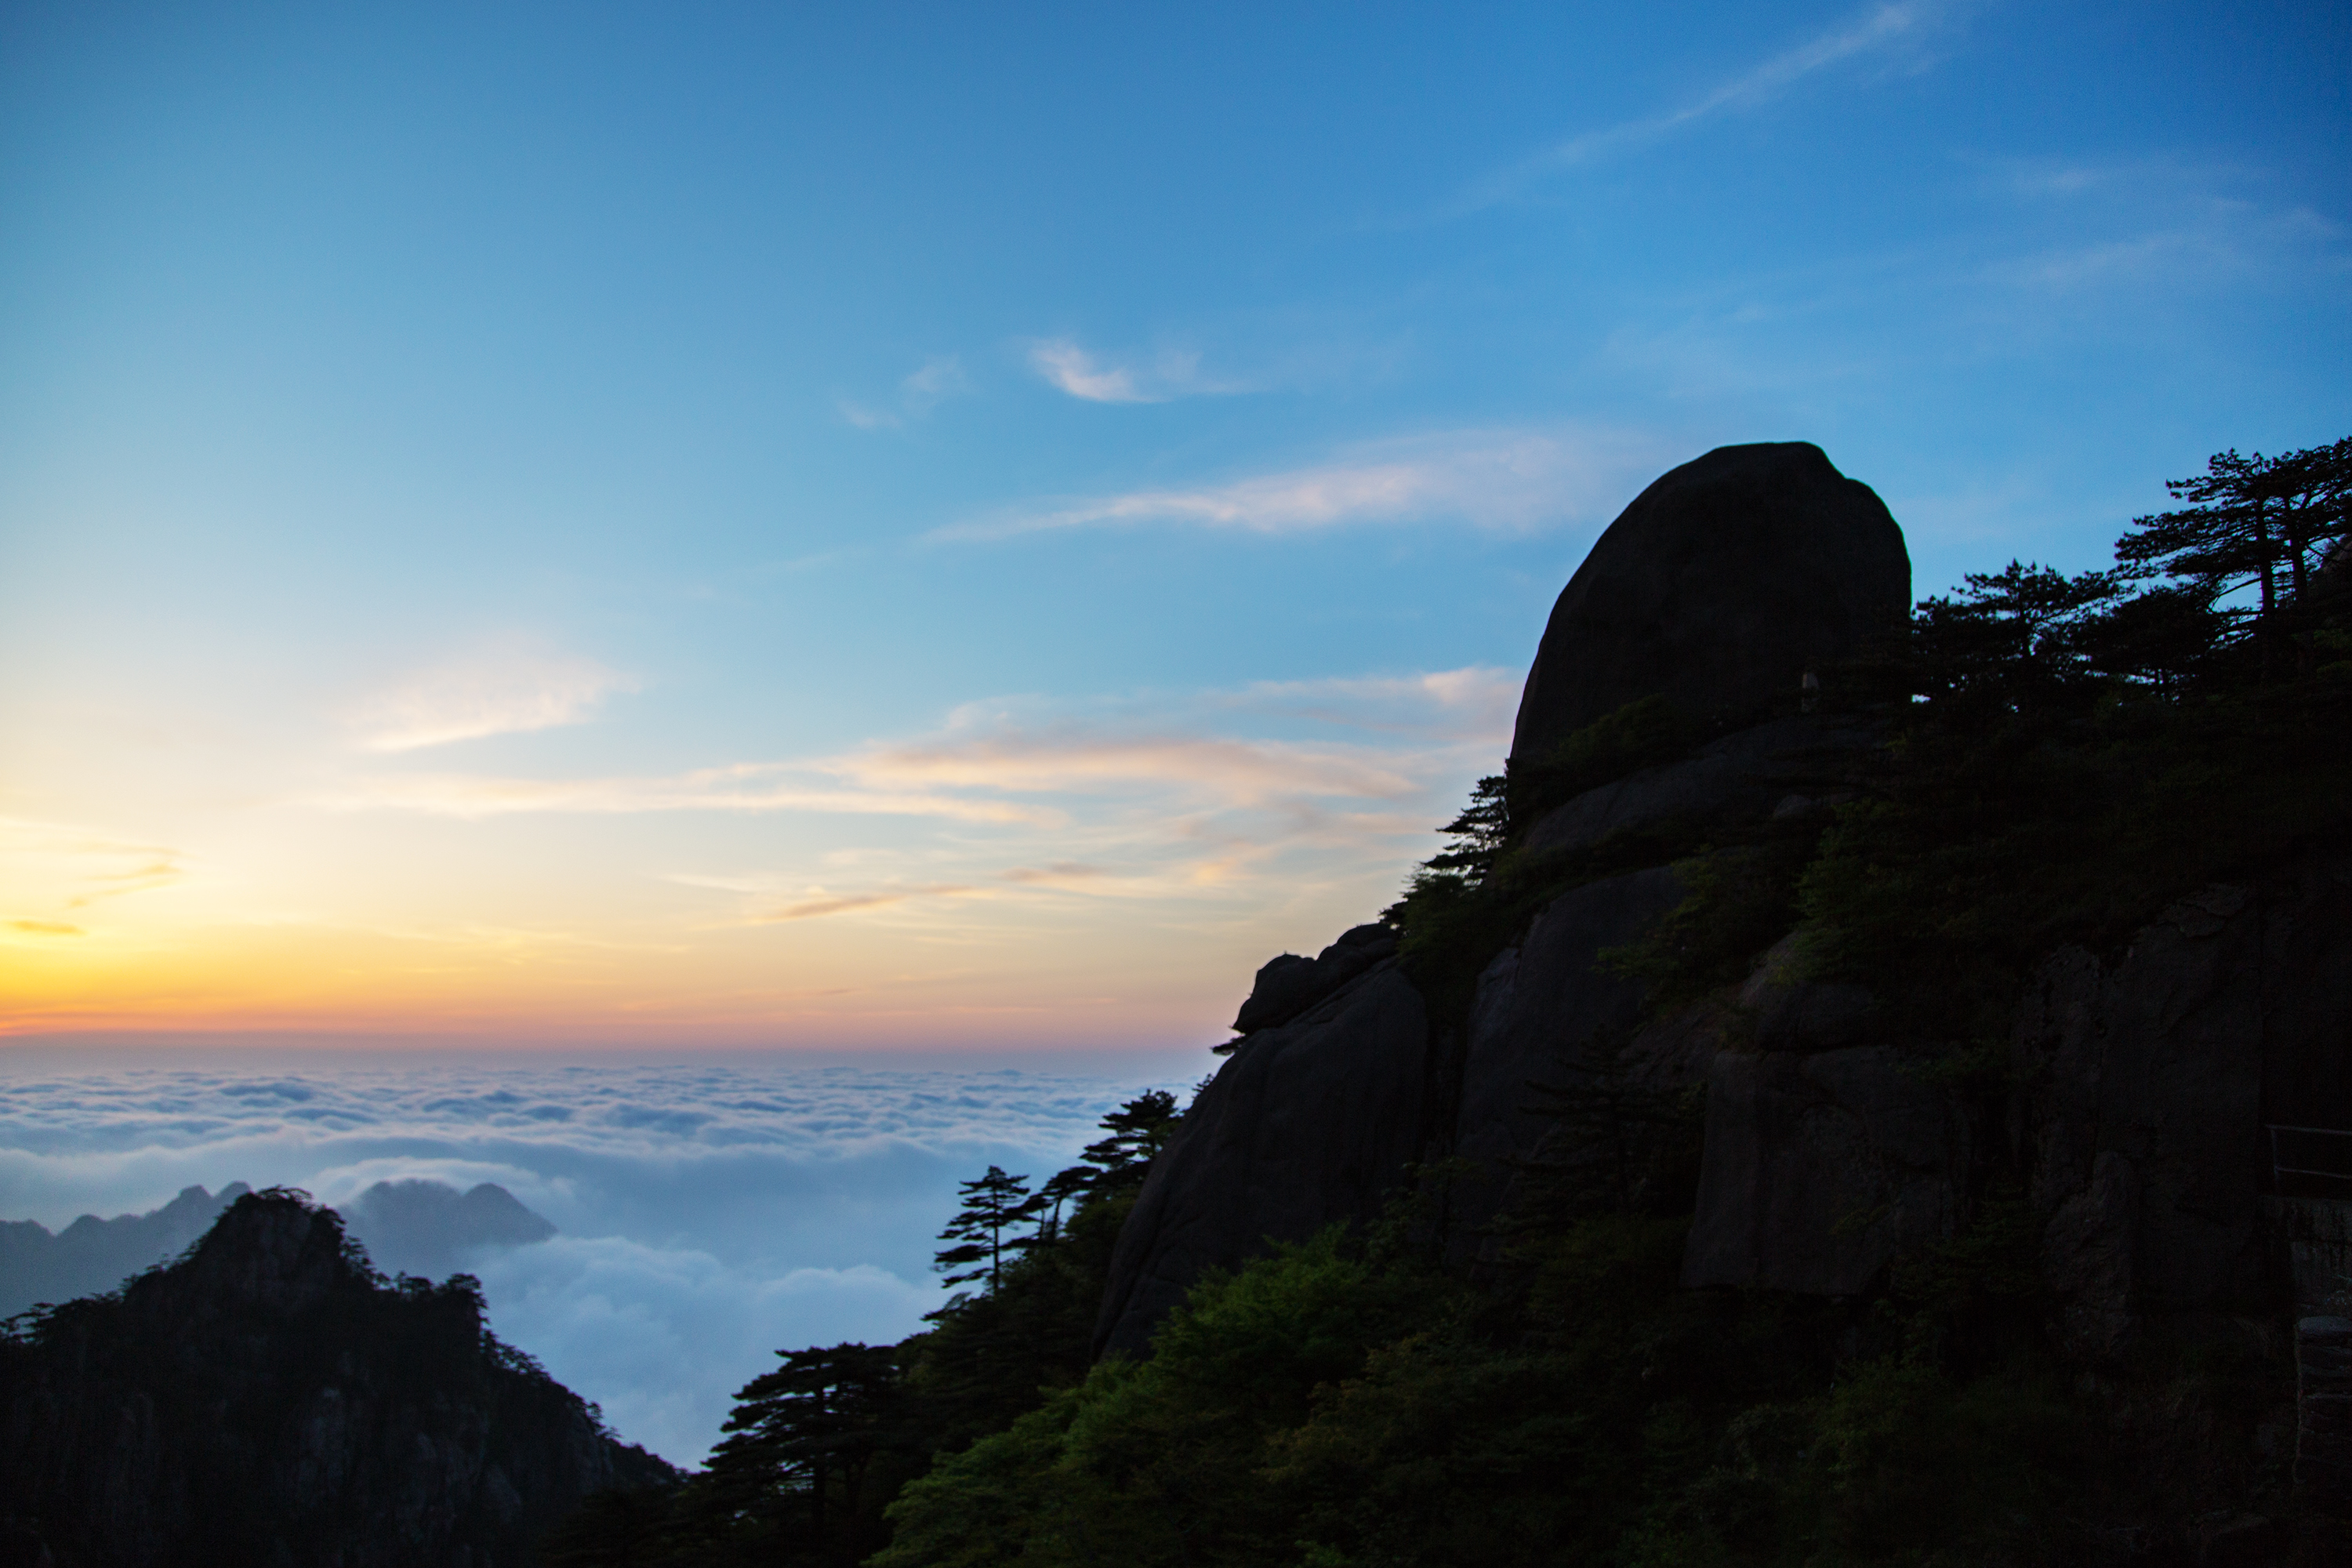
<point x="427" y="1227"/>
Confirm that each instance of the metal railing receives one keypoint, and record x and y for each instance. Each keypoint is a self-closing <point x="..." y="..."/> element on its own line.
<point x="2277" y="1170"/>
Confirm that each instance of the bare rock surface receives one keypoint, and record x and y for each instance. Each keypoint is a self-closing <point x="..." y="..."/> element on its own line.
<point x="2086" y="1261"/>
<point x="1289" y="984"/>
<point x="1717" y="588"/>
<point x="2159" y="1059"/>
<point x="1307" y="1122"/>
<point x="1787" y="764"/>
<point x="1792" y="1011"/>
<point x="2223" y="1017"/>
<point x="1547" y="1014"/>
<point x="1821" y="1169"/>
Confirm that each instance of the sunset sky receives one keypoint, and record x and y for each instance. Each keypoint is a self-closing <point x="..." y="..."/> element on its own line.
<point x="969" y="527"/>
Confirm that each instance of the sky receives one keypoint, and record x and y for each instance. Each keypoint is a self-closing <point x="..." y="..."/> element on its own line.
<point x="912" y="529"/>
<point x="708" y="1213"/>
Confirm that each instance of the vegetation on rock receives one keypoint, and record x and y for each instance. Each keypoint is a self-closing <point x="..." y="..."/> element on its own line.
<point x="2057" y="758"/>
<point x="270" y="1397"/>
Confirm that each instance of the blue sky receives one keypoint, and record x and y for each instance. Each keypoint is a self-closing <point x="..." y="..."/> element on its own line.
<point x="922" y="526"/>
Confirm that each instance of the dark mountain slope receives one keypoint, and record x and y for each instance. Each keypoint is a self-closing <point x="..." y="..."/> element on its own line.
<point x="270" y="1398"/>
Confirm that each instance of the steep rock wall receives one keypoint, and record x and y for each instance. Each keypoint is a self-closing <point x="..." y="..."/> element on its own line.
<point x="2150" y="1084"/>
<point x="1310" y="1122"/>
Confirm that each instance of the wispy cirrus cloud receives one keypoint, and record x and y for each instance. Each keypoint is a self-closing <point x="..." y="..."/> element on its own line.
<point x="1075" y="760"/>
<point x="504" y="690"/>
<point x="46" y="928"/>
<point x="1139" y="797"/>
<point x="919" y="392"/>
<point x="2162" y="223"/>
<point x="734" y="787"/>
<point x="1508" y="481"/>
<point x="1879" y="31"/>
<point x="59" y="867"/>
<point x="821" y="903"/>
<point x="1165" y="376"/>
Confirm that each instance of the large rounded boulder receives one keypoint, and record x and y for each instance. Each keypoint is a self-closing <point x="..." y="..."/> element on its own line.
<point x="1718" y="589"/>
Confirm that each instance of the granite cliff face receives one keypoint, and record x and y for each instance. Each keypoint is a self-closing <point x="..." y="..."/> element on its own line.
<point x="1717" y="589"/>
<point x="270" y="1399"/>
<point x="2136" y="1086"/>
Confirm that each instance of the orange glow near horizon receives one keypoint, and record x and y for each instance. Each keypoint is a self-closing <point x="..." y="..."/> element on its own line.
<point x="990" y="885"/>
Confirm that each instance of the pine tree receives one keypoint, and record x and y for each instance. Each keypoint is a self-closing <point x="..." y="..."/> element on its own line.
<point x="993" y="1206"/>
<point x="2248" y="520"/>
<point x="1060" y="1189"/>
<point x="1138" y="1130"/>
<point x="808" y="1432"/>
<point x="1479" y="833"/>
<point x="2013" y="638"/>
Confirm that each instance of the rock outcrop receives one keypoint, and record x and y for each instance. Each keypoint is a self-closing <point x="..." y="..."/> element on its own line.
<point x="1548" y="1016"/>
<point x="270" y="1399"/>
<point x="1787" y="766"/>
<point x="1720" y="575"/>
<point x="1287" y="984"/>
<point x="2150" y="1082"/>
<point x="1821" y="1169"/>
<point x="1717" y="589"/>
<point x="1310" y="1122"/>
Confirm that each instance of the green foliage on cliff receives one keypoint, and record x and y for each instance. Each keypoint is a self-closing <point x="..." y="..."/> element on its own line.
<point x="820" y="1446"/>
<point x="1339" y="1403"/>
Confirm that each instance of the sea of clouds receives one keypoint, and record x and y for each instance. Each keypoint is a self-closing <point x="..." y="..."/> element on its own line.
<point x="708" y="1213"/>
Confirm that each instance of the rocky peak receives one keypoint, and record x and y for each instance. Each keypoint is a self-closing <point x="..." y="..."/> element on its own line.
<point x="1718" y="588"/>
<point x="1288" y="983"/>
<point x="270" y="1398"/>
<point x="269" y="1252"/>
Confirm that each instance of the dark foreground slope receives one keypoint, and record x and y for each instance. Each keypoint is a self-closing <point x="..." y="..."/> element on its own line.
<point x="270" y="1398"/>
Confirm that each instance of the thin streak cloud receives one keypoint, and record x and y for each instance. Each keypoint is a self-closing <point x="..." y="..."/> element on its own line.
<point x="1875" y="31"/>
<point x="921" y="391"/>
<point x="1502" y="480"/>
<point x="738" y="787"/>
<point x="1233" y="771"/>
<point x="46" y="928"/>
<point x="825" y="903"/>
<point x="1172" y="374"/>
<point x="504" y="692"/>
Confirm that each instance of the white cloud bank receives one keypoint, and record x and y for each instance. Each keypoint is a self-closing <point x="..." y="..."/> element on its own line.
<point x="709" y="1214"/>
